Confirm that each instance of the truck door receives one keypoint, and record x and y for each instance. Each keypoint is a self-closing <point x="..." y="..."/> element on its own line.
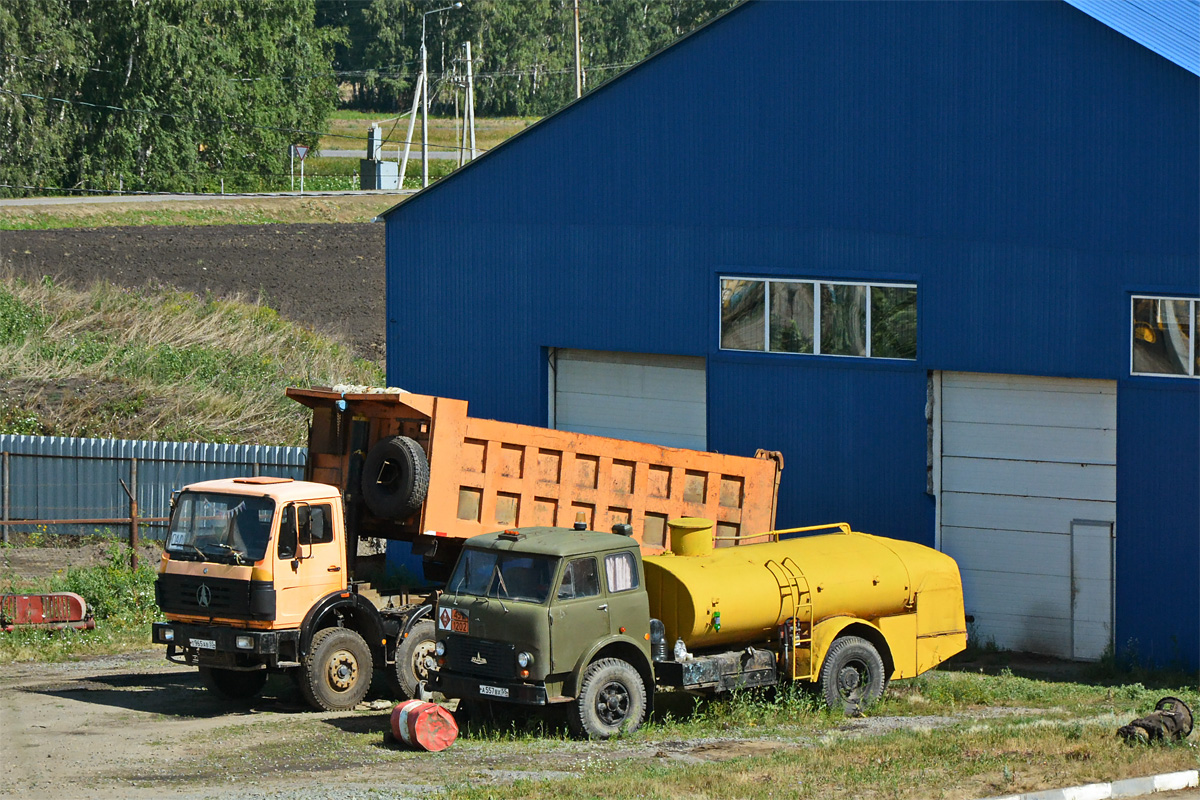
<point x="578" y="614"/>
<point x="309" y="561"/>
<point x="628" y="608"/>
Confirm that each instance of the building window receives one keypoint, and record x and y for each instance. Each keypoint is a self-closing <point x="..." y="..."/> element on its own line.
<point x="1161" y="336"/>
<point x="831" y="318"/>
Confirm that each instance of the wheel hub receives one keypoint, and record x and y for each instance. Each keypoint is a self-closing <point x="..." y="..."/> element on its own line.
<point x="612" y="704"/>
<point x="343" y="670"/>
<point x="422" y="659"/>
<point x="849" y="682"/>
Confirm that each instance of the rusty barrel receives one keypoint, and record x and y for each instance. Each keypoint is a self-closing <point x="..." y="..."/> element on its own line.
<point x="426" y="726"/>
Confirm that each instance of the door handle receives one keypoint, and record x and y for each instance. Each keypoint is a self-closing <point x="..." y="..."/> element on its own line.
<point x="602" y="607"/>
<point x="333" y="569"/>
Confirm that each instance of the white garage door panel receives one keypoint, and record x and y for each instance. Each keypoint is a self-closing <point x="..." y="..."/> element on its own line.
<point x="1025" y="595"/>
<point x="1023" y="463"/>
<point x="631" y="380"/>
<point x="1026" y="407"/>
<point x="1015" y="551"/>
<point x="1012" y="632"/>
<point x="994" y="511"/>
<point x="1082" y="445"/>
<point x="609" y="413"/>
<point x="1029" y="478"/>
<point x="637" y="396"/>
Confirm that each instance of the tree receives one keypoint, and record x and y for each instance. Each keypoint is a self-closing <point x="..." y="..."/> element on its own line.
<point x="176" y="94"/>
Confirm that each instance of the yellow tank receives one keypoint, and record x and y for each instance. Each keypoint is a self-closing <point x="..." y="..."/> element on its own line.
<point x="743" y="594"/>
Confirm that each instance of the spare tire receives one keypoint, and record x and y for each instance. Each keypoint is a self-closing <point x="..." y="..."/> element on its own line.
<point x="395" y="477"/>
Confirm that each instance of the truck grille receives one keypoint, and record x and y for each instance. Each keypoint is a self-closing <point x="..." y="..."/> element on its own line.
<point x="481" y="657"/>
<point x="186" y="594"/>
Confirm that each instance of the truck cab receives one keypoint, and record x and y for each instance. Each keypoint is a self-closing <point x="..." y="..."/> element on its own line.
<point x="539" y="616"/>
<point x="253" y="579"/>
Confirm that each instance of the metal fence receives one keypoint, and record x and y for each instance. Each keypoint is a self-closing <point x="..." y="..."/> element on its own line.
<point x="53" y="485"/>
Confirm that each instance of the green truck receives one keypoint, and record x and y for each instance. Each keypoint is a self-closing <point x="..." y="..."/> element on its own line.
<point x="545" y="616"/>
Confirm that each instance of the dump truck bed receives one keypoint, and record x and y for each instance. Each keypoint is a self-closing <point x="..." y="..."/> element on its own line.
<point x="486" y="475"/>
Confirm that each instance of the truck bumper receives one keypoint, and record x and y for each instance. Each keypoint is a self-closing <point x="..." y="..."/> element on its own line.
<point x="226" y="647"/>
<point x="469" y="687"/>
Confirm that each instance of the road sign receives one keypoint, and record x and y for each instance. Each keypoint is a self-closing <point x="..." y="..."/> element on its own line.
<point x="301" y="151"/>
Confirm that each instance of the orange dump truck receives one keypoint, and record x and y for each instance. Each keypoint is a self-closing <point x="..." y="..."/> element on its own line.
<point x="267" y="575"/>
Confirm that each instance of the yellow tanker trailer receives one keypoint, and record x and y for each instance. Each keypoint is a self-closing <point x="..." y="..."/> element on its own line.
<point x="813" y="601"/>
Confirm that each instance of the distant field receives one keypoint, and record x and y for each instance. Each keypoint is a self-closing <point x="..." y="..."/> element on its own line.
<point x="348" y="130"/>
<point x="200" y="211"/>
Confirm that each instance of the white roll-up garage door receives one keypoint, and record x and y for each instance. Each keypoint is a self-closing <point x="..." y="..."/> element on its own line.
<point x="1027" y="505"/>
<point x="636" y="396"/>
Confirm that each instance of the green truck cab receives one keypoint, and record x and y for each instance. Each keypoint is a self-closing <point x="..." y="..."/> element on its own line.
<point x="540" y="616"/>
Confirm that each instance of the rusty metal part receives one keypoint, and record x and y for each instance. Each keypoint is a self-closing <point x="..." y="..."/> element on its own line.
<point x="52" y="610"/>
<point x="1171" y="719"/>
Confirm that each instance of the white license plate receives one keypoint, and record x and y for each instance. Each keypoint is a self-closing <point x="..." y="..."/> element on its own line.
<point x="204" y="644"/>
<point x="494" y="691"/>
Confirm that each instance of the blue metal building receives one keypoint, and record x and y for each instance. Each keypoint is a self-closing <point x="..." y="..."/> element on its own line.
<point x="944" y="256"/>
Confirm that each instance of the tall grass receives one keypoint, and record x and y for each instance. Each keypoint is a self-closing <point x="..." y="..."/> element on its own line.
<point x="158" y="363"/>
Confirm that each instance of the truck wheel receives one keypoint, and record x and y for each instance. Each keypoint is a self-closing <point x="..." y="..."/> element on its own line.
<point x="411" y="654"/>
<point x="612" y="699"/>
<point x="395" y="477"/>
<point x="232" y="684"/>
<point x="852" y="676"/>
<point x="337" y="670"/>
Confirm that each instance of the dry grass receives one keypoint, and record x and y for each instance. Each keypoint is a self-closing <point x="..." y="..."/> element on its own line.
<point x="201" y="211"/>
<point x="158" y="363"/>
<point x="348" y="131"/>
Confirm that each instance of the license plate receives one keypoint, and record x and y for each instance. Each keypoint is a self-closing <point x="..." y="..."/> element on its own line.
<point x="204" y="644"/>
<point x="493" y="691"/>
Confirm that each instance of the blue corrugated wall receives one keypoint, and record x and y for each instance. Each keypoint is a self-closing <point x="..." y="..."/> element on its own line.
<point x="1025" y="165"/>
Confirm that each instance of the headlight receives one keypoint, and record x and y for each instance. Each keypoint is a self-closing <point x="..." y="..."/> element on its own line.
<point x="440" y="648"/>
<point x="168" y="634"/>
<point x="524" y="660"/>
<point x="244" y="642"/>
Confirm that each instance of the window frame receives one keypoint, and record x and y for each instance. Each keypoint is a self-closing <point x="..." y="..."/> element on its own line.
<point x="1193" y="312"/>
<point x="816" y="284"/>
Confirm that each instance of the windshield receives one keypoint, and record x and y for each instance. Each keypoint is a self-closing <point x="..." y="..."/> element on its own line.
<point x="508" y="576"/>
<point x="228" y="528"/>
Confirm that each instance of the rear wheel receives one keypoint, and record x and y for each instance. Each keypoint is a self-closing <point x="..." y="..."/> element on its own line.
<point x="337" y="670"/>
<point x="852" y="676"/>
<point x="232" y="684"/>
<point x="412" y="657"/>
<point x="612" y="700"/>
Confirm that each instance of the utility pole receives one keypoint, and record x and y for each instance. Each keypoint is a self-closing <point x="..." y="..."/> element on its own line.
<point x="578" y="63"/>
<point x="412" y="120"/>
<point x="470" y="110"/>
<point x="425" y="96"/>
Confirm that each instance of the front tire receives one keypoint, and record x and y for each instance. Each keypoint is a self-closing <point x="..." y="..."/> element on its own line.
<point x="337" y="670"/>
<point x="612" y="700"/>
<point x="411" y="669"/>
<point x="852" y="676"/>
<point x="231" y="684"/>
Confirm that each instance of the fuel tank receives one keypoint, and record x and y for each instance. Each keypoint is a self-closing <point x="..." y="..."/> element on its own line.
<point x="740" y="595"/>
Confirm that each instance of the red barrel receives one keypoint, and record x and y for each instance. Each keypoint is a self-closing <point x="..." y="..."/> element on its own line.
<point x="427" y="726"/>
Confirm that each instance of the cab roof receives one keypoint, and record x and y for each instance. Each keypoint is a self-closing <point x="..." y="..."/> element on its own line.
<point x="282" y="490"/>
<point x="557" y="542"/>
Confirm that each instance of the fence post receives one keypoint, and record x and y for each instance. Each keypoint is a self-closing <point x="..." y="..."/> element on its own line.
<point x="133" y="514"/>
<point x="7" y="494"/>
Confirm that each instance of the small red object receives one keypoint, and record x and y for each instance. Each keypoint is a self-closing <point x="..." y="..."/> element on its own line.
<point x="425" y="726"/>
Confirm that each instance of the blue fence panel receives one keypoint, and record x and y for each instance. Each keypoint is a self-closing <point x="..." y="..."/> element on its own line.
<point x="67" y="478"/>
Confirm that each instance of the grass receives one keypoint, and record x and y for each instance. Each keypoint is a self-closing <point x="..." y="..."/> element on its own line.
<point x="159" y="363"/>
<point x="120" y="598"/>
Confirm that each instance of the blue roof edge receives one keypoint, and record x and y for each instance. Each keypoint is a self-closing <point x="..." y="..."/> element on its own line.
<point x="1170" y="28"/>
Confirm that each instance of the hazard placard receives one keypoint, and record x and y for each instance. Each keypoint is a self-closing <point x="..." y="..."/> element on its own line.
<point x="452" y="620"/>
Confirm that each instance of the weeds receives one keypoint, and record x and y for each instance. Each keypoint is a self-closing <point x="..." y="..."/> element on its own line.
<point x="159" y="364"/>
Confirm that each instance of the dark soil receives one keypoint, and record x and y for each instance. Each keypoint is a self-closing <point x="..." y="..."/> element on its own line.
<point x="328" y="277"/>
